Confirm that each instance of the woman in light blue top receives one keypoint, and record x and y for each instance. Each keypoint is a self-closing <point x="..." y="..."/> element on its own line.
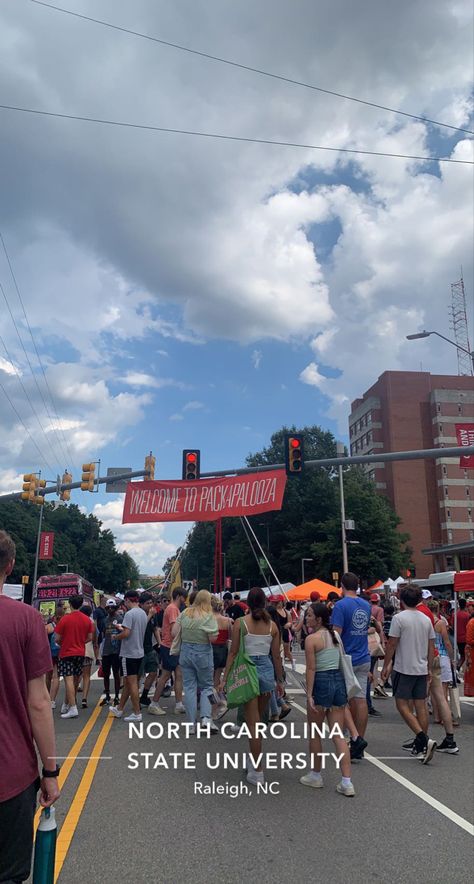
<point x="262" y="637"/>
<point x="197" y="627"/>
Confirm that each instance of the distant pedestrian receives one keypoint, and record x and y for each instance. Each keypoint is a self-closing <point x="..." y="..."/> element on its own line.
<point x="72" y="633"/>
<point x="197" y="628"/>
<point x="169" y="661"/>
<point x="131" y="635"/>
<point x="111" y="651"/>
<point x="462" y="619"/>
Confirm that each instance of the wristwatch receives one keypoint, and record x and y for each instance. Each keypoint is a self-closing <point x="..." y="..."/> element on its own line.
<point x="50" y="773"/>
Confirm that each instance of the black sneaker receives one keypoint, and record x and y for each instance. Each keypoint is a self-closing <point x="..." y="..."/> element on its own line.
<point x="166" y="692"/>
<point x="448" y="746"/>
<point x="373" y="711"/>
<point x="116" y="701"/>
<point x="105" y="701"/>
<point x="145" y="701"/>
<point x="357" y="747"/>
<point x="408" y="746"/>
<point x="429" y="751"/>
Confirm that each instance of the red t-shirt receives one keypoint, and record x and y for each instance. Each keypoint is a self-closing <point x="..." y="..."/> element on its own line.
<point x="462" y="619"/>
<point x="24" y="654"/>
<point x="169" y="617"/>
<point x="73" y="629"/>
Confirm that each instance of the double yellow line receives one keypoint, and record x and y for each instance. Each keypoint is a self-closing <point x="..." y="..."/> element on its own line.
<point x="73" y="816"/>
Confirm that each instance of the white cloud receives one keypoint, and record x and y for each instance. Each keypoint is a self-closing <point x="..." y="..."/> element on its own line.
<point x="141" y="379"/>
<point x="176" y="417"/>
<point x="257" y="358"/>
<point x="194" y="405"/>
<point x="310" y="375"/>
<point x="8" y="367"/>
<point x="145" y="542"/>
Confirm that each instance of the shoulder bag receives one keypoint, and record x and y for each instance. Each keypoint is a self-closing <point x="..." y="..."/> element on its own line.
<point x="345" y="665"/>
<point x="242" y="681"/>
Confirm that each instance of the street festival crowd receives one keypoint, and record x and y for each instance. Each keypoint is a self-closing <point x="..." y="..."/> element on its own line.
<point x="218" y="654"/>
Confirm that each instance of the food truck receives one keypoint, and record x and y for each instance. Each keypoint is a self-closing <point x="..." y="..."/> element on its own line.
<point x="52" y="589"/>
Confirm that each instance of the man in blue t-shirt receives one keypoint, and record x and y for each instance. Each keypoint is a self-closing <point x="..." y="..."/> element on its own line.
<point x="351" y="618"/>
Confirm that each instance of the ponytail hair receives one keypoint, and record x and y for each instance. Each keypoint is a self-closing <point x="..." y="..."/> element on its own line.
<point x="321" y="610"/>
<point x="256" y="600"/>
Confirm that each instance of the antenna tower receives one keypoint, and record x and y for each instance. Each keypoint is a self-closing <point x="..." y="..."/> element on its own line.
<point x="459" y="326"/>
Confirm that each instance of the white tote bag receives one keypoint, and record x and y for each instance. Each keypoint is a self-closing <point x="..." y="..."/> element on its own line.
<point x="352" y="685"/>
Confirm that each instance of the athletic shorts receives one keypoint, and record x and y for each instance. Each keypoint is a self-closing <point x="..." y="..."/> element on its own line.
<point x="111" y="662"/>
<point x="219" y="653"/>
<point x="409" y="687"/>
<point x="150" y="663"/>
<point x="131" y="665"/>
<point x="329" y="689"/>
<point x="87" y="661"/>
<point x="16" y="834"/>
<point x="70" y="666"/>
<point x="361" y="673"/>
<point x="169" y="662"/>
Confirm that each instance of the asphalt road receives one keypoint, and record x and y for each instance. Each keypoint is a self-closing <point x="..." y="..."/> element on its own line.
<point x="406" y="823"/>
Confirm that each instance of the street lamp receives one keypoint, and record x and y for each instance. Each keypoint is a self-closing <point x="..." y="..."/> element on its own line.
<point x="345" y="563"/>
<point x="236" y="581"/>
<point x="302" y="567"/>
<point x="426" y="334"/>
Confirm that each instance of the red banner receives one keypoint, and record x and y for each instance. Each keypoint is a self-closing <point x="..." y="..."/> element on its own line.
<point x="46" y="545"/>
<point x="205" y="500"/>
<point x="465" y="436"/>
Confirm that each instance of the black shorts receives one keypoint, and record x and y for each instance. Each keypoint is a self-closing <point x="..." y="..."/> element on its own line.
<point x="409" y="687"/>
<point x="219" y="652"/>
<point x="168" y="661"/>
<point x="70" y="666"/>
<point x="131" y="665"/>
<point x="16" y="834"/>
<point x="111" y="662"/>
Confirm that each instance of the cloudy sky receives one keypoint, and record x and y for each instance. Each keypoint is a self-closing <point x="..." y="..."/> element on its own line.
<point x="186" y="291"/>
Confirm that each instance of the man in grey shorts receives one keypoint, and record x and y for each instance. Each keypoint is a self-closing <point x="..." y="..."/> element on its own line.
<point x="412" y="643"/>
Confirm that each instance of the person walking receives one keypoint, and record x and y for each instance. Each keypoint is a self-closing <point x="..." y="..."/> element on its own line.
<point x="411" y="647"/>
<point x="131" y="635"/>
<point x="91" y="653"/>
<point x="111" y="651"/>
<point x="220" y="652"/>
<point x="350" y="618"/>
<point x="72" y="633"/>
<point x="196" y="627"/>
<point x="169" y="661"/>
<point x="261" y="638"/>
<point x="26" y="725"/>
<point x="326" y="696"/>
<point x="469" y="658"/>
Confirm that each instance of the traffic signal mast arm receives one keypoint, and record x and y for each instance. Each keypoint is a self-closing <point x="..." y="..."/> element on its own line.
<point x="53" y="489"/>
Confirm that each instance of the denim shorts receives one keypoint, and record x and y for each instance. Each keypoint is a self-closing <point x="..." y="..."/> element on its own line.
<point x="265" y="672"/>
<point x="329" y="689"/>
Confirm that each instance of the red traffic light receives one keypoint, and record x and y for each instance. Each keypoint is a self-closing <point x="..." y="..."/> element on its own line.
<point x="191" y="464"/>
<point x="191" y="458"/>
<point x="295" y="443"/>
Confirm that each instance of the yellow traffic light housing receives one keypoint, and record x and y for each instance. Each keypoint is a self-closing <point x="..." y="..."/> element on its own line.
<point x="294" y="450"/>
<point x="150" y="462"/>
<point x="88" y="476"/>
<point x="31" y="483"/>
<point x="66" y="480"/>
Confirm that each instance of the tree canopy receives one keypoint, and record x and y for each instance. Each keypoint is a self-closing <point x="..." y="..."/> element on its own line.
<point x="79" y="542"/>
<point x="308" y="525"/>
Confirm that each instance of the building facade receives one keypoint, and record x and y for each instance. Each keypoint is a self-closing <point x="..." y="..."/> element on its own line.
<point x="434" y="499"/>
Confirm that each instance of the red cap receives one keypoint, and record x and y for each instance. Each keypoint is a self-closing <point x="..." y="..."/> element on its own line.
<point x="315" y="596"/>
<point x="375" y="597"/>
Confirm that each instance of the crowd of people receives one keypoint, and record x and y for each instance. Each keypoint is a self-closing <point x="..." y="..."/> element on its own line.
<point x="152" y="645"/>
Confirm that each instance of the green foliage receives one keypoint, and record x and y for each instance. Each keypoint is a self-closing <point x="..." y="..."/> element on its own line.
<point x="78" y="542"/>
<point x="308" y="526"/>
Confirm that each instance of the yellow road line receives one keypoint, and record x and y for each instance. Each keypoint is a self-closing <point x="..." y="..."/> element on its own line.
<point x="74" y="751"/>
<point x="74" y="813"/>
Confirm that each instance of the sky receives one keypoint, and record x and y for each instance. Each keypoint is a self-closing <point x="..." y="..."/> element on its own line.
<point x="189" y="292"/>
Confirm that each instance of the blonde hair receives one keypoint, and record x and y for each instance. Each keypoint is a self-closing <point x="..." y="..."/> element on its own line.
<point x="433" y="605"/>
<point x="201" y="605"/>
<point x="216" y="604"/>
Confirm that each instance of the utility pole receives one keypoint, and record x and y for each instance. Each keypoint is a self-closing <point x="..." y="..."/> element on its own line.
<point x="345" y="563"/>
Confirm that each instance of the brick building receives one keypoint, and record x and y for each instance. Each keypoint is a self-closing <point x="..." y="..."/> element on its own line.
<point x="406" y="410"/>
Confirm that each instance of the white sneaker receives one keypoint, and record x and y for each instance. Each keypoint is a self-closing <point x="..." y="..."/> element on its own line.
<point x="255" y="777"/>
<point x="64" y="708"/>
<point x="179" y="709"/>
<point x="116" y="712"/>
<point x="71" y="712"/>
<point x="156" y="709"/>
<point x="348" y="791"/>
<point x="192" y="729"/>
<point x="133" y="717"/>
<point x="312" y="779"/>
<point x="206" y="722"/>
<point x="234" y="728"/>
<point x="53" y="704"/>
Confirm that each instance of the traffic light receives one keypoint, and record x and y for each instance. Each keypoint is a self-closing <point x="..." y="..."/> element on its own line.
<point x="88" y="476"/>
<point x="150" y="462"/>
<point x="66" y="480"/>
<point x="294" y="450"/>
<point x="191" y="464"/>
<point x="31" y="483"/>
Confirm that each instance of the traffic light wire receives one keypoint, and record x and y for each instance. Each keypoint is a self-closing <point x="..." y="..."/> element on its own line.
<point x="246" y="67"/>
<point x="239" y="138"/>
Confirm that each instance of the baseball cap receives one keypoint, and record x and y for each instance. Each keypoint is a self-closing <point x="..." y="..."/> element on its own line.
<point x="426" y="594"/>
<point x="227" y="596"/>
<point x="375" y="597"/>
<point x="111" y="603"/>
<point x="315" y="596"/>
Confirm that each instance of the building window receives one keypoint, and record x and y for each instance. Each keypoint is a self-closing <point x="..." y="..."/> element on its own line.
<point x="449" y="515"/>
<point x="369" y="436"/>
<point x="445" y="470"/>
<point x="459" y="408"/>
<point x="438" y="408"/>
<point x="369" y="417"/>
<point x="440" y="428"/>
<point x="446" y="492"/>
<point x="469" y="515"/>
<point x="471" y="535"/>
<point x="468" y="493"/>
<point x="450" y="536"/>
<point x="465" y="474"/>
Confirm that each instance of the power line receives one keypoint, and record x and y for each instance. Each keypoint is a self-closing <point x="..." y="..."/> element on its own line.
<point x="149" y="128"/>
<point x="65" y="450"/>
<point x="246" y="67"/>
<point x="18" y="374"/>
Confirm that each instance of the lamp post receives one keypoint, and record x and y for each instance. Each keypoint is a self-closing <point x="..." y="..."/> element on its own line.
<point x="426" y="334"/>
<point x="345" y="563"/>
<point x="236" y="581"/>
<point x="302" y="567"/>
<point x="224" y="569"/>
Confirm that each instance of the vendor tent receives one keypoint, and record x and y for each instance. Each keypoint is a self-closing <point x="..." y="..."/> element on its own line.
<point x="464" y="581"/>
<point x="378" y="585"/>
<point x="302" y="593"/>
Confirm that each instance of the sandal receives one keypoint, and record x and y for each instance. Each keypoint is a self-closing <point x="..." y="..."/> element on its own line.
<point x="84" y="704"/>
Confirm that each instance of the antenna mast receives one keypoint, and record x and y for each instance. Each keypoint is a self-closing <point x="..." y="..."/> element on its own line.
<point x="459" y="326"/>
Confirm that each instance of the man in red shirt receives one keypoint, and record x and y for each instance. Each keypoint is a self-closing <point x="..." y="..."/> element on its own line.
<point x="462" y="619"/>
<point x="26" y="724"/>
<point x="72" y="633"/>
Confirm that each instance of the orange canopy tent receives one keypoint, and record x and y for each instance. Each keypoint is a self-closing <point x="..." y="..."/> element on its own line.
<point x="302" y="593"/>
<point x="378" y="585"/>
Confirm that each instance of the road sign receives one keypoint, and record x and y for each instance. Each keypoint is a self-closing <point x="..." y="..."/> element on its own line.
<point x="120" y="486"/>
<point x="25" y="579"/>
<point x="335" y="575"/>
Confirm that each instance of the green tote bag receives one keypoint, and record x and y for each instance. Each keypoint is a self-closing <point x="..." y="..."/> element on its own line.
<point x="242" y="681"/>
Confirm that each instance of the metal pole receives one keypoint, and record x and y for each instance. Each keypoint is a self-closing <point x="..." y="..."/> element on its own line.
<point x="345" y="563"/>
<point x="40" y="522"/>
<point x="302" y="570"/>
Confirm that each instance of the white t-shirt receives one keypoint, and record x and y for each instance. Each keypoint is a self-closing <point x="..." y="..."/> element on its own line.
<point x="414" y="630"/>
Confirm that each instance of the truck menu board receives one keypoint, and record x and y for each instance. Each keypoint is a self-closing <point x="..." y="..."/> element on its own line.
<point x="56" y="592"/>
